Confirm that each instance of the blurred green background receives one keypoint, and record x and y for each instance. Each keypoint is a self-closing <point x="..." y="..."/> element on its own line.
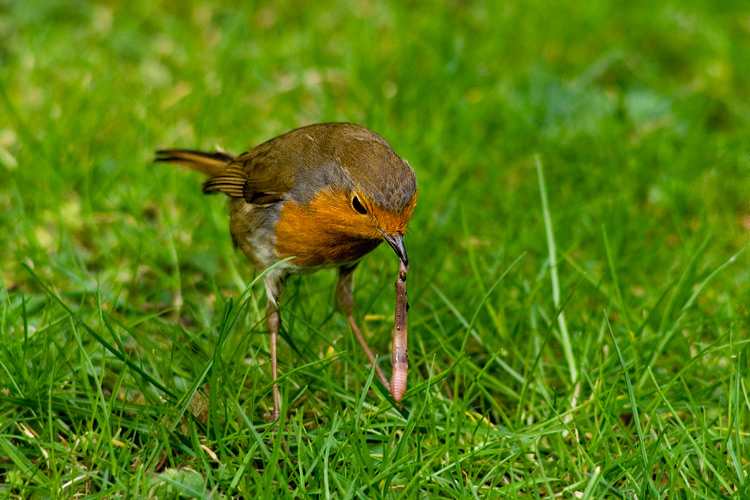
<point x="639" y="114"/>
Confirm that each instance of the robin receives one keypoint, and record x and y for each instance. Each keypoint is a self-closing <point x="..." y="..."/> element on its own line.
<point x="325" y="195"/>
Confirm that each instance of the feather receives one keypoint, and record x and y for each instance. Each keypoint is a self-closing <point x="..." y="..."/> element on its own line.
<point x="208" y="163"/>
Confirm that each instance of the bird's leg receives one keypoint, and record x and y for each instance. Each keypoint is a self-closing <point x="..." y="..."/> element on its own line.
<point x="274" y="282"/>
<point x="346" y="303"/>
<point x="273" y="322"/>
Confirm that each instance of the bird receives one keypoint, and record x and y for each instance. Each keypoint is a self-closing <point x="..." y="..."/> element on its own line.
<point x="322" y="196"/>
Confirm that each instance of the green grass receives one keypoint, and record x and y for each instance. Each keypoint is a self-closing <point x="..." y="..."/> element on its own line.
<point x="591" y="346"/>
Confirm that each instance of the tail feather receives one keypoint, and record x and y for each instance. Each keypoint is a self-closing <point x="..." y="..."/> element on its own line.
<point x="208" y="163"/>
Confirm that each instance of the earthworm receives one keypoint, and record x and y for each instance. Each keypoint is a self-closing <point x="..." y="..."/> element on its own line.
<point x="399" y="358"/>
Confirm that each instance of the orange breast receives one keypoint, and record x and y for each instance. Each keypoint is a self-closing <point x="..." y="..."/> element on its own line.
<point x="325" y="231"/>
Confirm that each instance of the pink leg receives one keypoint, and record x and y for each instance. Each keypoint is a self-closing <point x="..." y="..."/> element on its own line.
<point x="346" y="302"/>
<point x="273" y="321"/>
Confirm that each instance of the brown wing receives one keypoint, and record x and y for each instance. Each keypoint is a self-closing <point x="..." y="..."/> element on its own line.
<point x="261" y="176"/>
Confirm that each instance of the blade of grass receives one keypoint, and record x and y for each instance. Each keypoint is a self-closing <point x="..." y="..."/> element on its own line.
<point x="636" y="418"/>
<point x="565" y="336"/>
<point x="618" y="294"/>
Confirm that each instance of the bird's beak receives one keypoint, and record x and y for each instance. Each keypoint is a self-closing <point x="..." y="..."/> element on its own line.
<point x="396" y="241"/>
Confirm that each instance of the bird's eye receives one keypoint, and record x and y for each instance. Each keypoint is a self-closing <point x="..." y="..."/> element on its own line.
<point x="357" y="205"/>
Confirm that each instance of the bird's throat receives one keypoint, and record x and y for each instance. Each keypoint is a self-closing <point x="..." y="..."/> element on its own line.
<point x="323" y="232"/>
